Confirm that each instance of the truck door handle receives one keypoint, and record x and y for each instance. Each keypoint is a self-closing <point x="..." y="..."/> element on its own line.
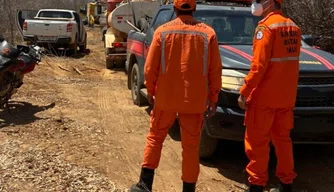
<point x="46" y="24"/>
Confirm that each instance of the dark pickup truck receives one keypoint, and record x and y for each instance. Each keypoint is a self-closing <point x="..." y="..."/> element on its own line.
<point x="234" y="26"/>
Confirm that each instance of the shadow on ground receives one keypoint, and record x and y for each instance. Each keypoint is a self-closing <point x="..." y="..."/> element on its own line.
<point x="117" y="69"/>
<point x="314" y="164"/>
<point x="21" y="113"/>
<point x="66" y="53"/>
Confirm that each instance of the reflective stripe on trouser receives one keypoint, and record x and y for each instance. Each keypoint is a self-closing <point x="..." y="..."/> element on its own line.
<point x="191" y="126"/>
<point x="184" y="32"/>
<point x="263" y="125"/>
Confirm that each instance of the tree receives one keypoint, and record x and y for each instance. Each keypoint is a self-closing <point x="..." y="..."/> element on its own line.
<point x="8" y="13"/>
<point x="314" y="17"/>
<point x="8" y="7"/>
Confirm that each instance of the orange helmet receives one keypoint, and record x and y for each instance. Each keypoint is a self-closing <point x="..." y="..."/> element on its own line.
<point x="185" y="5"/>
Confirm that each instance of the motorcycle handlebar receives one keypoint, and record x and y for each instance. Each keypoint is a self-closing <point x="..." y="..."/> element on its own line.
<point x="35" y="52"/>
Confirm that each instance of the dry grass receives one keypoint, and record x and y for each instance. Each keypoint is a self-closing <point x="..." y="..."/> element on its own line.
<point x="44" y="171"/>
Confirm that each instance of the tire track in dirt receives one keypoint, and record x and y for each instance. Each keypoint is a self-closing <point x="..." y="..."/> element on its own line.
<point x="121" y="119"/>
<point x="132" y="124"/>
<point x="127" y="125"/>
<point x="103" y="107"/>
<point x="110" y="118"/>
<point x="112" y="114"/>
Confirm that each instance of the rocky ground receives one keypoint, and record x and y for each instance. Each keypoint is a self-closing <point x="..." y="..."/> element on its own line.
<point x="73" y="127"/>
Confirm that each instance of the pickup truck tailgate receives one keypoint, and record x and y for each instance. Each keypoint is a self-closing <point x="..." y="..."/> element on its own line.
<point x="47" y="28"/>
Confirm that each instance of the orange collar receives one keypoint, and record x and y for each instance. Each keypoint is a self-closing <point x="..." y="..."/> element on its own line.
<point x="274" y="13"/>
<point x="270" y="14"/>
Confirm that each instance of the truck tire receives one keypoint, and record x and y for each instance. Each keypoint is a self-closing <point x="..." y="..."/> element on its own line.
<point x="137" y="97"/>
<point x="208" y="145"/>
<point x="75" y="46"/>
<point x="83" y="47"/>
<point x="110" y="63"/>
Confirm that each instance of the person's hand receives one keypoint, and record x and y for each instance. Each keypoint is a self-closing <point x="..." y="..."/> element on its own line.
<point x="150" y="99"/>
<point x="242" y="102"/>
<point x="211" y="109"/>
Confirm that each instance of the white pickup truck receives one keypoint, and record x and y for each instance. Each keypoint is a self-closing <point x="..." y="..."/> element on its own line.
<point x="56" y="27"/>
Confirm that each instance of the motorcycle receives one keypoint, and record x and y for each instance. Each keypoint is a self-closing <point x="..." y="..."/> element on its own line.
<point x="15" y="62"/>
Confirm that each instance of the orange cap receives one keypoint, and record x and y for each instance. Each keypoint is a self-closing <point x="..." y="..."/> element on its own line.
<point x="280" y="1"/>
<point x="178" y="4"/>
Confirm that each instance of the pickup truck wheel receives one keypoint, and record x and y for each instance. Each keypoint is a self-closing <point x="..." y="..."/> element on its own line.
<point x="137" y="97"/>
<point x="74" y="48"/>
<point x="75" y="45"/>
<point x="208" y="145"/>
<point x="83" y="47"/>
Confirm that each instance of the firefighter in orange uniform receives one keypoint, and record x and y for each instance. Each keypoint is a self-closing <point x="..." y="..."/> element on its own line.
<point x="183" y="78"/>
<point x="269" y="95"/>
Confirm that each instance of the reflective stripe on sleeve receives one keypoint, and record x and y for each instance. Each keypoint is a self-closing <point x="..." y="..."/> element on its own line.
<point x="206" y="47"/>
<point x="282" y="24"/>
<point x="284" y="59"/>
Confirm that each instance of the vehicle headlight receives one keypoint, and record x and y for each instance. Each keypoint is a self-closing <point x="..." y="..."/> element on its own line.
<point x="232" y="79"/>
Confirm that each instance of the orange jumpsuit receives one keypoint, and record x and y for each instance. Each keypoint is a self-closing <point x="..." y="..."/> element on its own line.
<point x="183" y="71"/>
<point x="271" y="89"/>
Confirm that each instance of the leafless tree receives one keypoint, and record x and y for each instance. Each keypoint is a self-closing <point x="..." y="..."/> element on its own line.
<point x="8" y="12"/>
<point x="7" y="8"/>
<point x="315" y="17"/>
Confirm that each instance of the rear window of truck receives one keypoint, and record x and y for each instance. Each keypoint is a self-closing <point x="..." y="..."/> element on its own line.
<point x="55" y="14"/>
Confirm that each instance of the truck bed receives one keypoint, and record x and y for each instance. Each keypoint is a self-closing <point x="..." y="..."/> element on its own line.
<point x="47" y="27"/>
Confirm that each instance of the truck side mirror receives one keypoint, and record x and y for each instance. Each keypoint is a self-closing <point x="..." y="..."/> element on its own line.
<point x="310" y="40"/>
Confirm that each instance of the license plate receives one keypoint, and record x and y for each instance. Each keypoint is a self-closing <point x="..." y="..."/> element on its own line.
<point x="47" y="38"/>
<point x="120" y="49"/>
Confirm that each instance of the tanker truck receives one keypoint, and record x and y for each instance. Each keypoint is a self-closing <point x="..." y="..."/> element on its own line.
<point x="123" y="16"/>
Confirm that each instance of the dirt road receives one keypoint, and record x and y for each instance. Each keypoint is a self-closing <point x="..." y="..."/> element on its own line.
<point x="69" y="131"/>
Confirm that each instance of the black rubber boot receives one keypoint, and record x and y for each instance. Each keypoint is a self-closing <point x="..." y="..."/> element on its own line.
<point x="145" y="181"/>
<point x="255" y="188"/>
<point x="189" y="187"/>
<point x="282" y="188"/>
